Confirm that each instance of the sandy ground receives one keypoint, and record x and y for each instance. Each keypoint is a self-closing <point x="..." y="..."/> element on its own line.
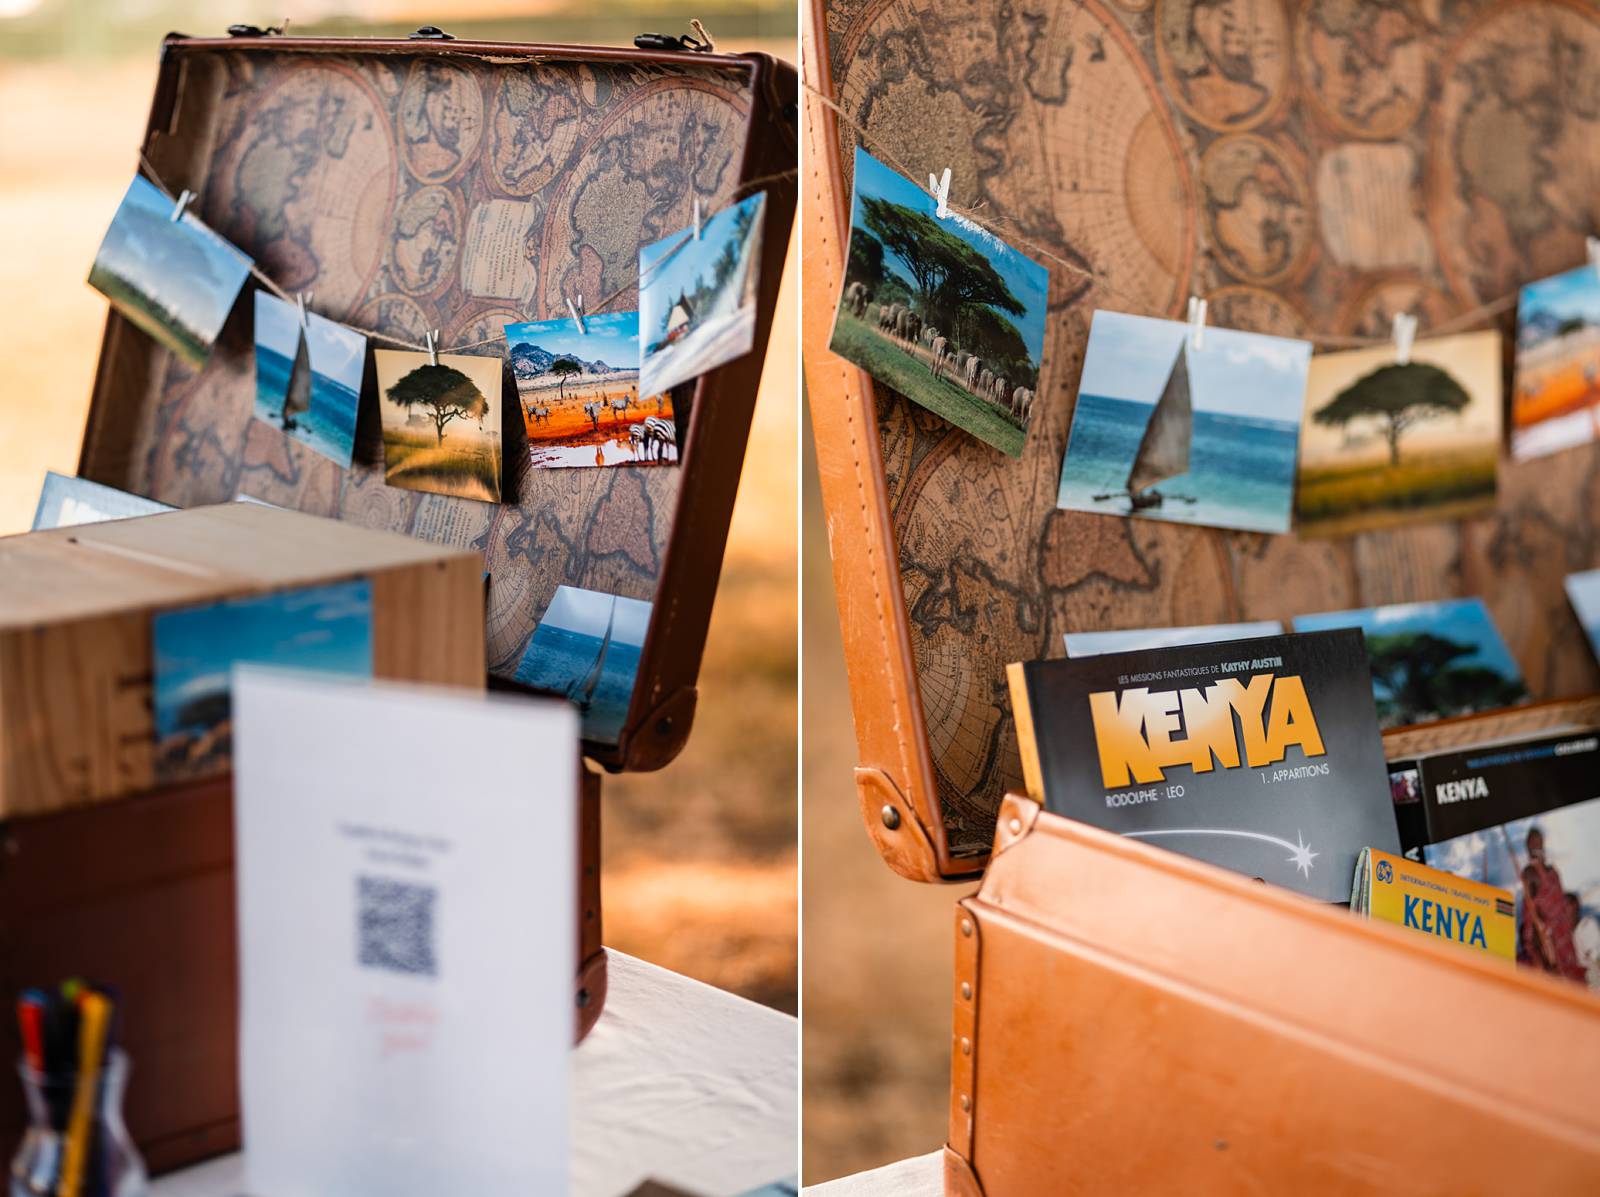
<point x="699" y="858"/>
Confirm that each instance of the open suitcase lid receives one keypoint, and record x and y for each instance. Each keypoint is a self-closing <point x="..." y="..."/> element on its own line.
<point x="1102" y="133"/>
<point x="536" y="173"/>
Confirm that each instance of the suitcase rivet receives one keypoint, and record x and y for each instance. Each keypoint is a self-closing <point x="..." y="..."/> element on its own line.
<point x="966" y="992"/>
<point x="891" y="817"/>
<point x="966" y="1103"/>
<point x="966" y="926"/>
<point x="966" y="1046"/>
<point x="1015" y="826"/>
<point x="583" y="998"/>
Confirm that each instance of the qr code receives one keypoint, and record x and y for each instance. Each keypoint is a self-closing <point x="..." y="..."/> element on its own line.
<point x="396" y="925"/>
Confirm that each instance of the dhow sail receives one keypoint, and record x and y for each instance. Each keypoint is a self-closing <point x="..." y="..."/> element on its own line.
<point x="297" y="400"/>
<point x="1164" y="451"/>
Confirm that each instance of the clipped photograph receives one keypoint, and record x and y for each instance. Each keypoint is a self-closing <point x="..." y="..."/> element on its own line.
<point x="940" y="309"/>
<point x="1193" y="427"/>
<point x="1555" y="397"/>
<point x="579" y="394"/>
<point x="175" y="279"/>
<point x="441" y="422"/>
<point x="697" y="296"/>
<point x="338" y="360"/>
<point x="1431" y="660"/>
<point x="323" y="628"/>
<point x="283" y="375"/>
<point x="1385" y="443"/>
<point x="586" y="649"/>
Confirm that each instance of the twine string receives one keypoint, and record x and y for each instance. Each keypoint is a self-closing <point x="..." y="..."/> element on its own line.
<point x="1138" y="305"/>
<point x="267" y="281"/>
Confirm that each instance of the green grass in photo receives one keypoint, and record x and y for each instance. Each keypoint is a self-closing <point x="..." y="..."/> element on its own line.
<point x="1335" y="500"/>
<point x="886" y="361"/>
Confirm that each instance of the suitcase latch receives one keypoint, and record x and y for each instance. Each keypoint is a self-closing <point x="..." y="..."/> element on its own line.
<point x="431" y="33"/>
<point x="255" y="30"/>
<point x="699" y="44"/>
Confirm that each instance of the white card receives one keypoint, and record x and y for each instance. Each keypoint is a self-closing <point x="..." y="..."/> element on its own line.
<point x="407" y="891"/>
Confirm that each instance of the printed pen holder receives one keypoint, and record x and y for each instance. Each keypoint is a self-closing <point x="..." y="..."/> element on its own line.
<point x="54" y="1162"/>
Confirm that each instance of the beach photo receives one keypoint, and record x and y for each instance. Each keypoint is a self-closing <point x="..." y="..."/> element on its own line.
<point x="1431" y="660"/>
<point x="338" y="360"/>
<point x="175" y="279"/>
<point x="697" y="297"/>
<point x="579" y="394"/>
<point x="1196" y="428"/>
<point x="940" y="309"/>
<point x="1385" y="443"/>
<point x="1583" y="591"/>
<point x="1555" y="398"/>
<point x="283" y="375"/>
<point x="441" y="422"/>
<point x="322" y="628"/>
<point x="586" y="649"/>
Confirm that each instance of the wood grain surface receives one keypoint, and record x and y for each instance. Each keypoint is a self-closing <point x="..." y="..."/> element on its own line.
<point x="1311" y="168"/>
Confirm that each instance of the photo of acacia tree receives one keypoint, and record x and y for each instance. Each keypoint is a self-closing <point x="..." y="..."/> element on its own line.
<point x="1386" y="442"/>
<point x="1431" y="660"/>
<point x="441" y="428"/>
<point x="940" y="309"/>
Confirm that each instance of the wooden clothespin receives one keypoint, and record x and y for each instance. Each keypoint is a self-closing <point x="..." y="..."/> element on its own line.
<point x="185" y="198"/>
<point x="704" y="34"/>
<point x="697" y="218"/>
<point x="432" y="338"/>
<point x="1197" y="321"/>
<point x="940" y="190"/>
<point x="576" y="311"/>
<point x="1405" y="331"/>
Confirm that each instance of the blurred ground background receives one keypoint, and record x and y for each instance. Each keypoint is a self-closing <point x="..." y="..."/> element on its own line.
<point x="877" y="949"/>
<point x="700" y="867"/>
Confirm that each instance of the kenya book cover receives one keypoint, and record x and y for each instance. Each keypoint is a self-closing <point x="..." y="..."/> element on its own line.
<point x="1262" y="755"/>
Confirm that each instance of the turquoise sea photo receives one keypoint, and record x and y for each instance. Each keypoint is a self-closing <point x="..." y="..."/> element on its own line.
<point x="308" y="378"/>
<point x="1220" y="446"/>
<point x="586" y="649"/>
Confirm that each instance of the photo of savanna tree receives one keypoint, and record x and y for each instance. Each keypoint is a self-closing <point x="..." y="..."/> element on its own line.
<point x="1431" y="660"/>
<point x="940" y="310"/>
<point x="441" y="432"/>
<point x="1386" y="442"/>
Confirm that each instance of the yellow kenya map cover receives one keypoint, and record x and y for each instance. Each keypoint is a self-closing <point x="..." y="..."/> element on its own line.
<point x="1408" y="894"/>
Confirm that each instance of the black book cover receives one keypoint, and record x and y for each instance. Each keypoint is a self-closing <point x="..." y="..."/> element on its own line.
<point x="1262" y="756"/>
<point x="1488" y="785"/>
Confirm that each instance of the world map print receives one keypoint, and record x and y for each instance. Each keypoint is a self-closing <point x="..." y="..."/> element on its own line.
<point x="1310" y="168"/>
<point x="412" y="193"/>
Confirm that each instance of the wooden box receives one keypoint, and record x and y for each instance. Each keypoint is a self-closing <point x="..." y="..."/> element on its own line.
<point x="77" y="720"/>
<point x="1126" y="1019"/>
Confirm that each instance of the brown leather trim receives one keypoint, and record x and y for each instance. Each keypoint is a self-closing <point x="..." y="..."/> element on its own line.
<point x="591" y="974"/>
<point x="591" y="993"/>
<point x="904" y="845"/>
<point x="964" y="1031"/>
<point x="1015" y="820"/>
<point x="890" y="736"/>
<point x="959" y="1178"/>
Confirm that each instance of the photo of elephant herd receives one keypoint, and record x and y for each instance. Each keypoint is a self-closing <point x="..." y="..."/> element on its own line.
<point x="940" y="309"/>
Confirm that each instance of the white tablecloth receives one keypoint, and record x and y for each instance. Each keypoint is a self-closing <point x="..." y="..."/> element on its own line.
<point x="678" y="1082"/>
<point x="919" y="1177"/>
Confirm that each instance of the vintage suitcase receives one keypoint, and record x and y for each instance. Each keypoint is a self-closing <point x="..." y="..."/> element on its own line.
<point x="1118" y="1022"/>
<point x="548" y="169"/>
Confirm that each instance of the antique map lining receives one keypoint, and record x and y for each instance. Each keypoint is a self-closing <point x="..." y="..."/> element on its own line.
<point x="1172" y="148"/>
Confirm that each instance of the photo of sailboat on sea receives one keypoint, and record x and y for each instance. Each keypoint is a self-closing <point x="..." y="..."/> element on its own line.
<point x="1186" y="425"/>
<point x="586" y="649"/>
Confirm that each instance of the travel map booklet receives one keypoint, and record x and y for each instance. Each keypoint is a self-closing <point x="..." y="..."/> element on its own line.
<point x="1261" y="755"/>
<point x="1523" y="815"/>
<point x="1432" y="902"/>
